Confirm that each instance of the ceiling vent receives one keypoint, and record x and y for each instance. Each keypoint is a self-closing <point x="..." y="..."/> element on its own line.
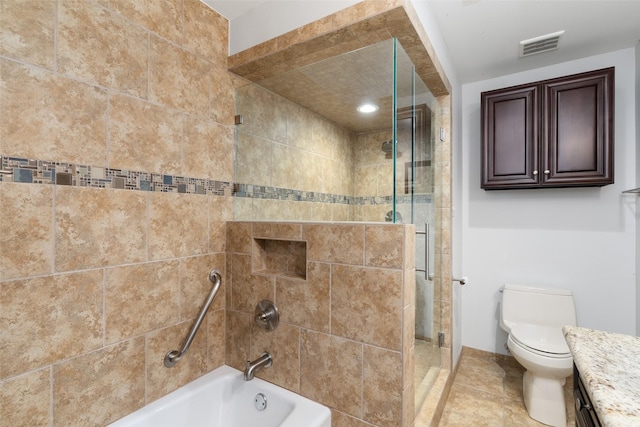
<point x="540" y="44"/>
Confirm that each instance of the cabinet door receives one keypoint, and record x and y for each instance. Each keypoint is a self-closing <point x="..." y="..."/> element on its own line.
<point x="584" y="411"/>
<point x="510" y="138"/>
<point x="577" y="130"/>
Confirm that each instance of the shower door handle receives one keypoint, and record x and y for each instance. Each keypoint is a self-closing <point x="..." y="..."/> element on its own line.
<point x="427" y="274"/>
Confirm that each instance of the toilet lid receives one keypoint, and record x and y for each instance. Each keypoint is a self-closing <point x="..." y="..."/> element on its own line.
<point x="542" y="338"/>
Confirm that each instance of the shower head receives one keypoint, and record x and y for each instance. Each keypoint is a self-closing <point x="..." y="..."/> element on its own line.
<point x="387" y="146"/>
<point x="389" y="217"/>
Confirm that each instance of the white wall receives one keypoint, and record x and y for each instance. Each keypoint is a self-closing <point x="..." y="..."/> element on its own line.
<point x="581" y="239"/>
<point x="637" y="185"/>
<point x="276" y="17"/>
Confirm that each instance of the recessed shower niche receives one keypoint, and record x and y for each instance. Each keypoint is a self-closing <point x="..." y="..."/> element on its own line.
<point x="280" y="258"/>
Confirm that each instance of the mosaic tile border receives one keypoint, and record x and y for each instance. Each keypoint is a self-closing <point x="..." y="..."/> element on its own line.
<point x="32" y="171"/>
<point x="276" y="193"/>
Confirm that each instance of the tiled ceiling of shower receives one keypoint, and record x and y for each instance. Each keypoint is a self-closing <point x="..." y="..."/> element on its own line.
<point x="333" y="88"/>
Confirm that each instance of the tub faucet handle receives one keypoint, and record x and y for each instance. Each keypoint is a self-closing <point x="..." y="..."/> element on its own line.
<point x="266" y="315"/>
<point x="262" y="317"/>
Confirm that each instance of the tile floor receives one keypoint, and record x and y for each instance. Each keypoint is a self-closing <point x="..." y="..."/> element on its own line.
<point x="426" y="368"/>
<point x="487" y="391"/>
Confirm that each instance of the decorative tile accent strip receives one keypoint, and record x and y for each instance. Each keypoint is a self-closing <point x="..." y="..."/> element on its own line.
<point x="275" y="193"/>
<point x="60" y="173"/>
<point x="372" y="200"/>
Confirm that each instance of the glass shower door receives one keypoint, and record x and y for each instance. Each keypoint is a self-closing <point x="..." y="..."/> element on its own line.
<point x="413" y="196"/>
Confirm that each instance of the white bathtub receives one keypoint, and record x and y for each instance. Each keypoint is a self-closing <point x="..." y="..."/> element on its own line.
<point x="223" y="399"/>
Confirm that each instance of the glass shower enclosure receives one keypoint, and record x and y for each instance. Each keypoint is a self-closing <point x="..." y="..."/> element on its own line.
<point x="305" y="152"/>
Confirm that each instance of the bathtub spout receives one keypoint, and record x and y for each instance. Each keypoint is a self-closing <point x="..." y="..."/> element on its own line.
<point x="264" y="361"/>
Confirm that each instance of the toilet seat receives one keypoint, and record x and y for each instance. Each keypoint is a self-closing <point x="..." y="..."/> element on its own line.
<point x="543" y="340"/>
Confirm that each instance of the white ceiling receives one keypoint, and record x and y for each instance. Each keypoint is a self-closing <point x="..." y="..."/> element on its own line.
<point x="483" y="36"/>
<point x="231" y="9"/>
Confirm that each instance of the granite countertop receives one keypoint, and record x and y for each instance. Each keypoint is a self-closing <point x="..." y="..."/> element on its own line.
<point x="609" y="366"/>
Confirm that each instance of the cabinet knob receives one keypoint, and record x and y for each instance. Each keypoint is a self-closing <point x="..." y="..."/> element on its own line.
<point x="535" y="173"/>
<point x="580" y="404"/>
<point x="547" y="172"/>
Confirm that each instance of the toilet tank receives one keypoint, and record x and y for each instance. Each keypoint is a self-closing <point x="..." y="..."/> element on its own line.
<point x="538" y="306"/>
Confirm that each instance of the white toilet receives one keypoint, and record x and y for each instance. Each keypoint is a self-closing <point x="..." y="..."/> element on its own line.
<point x="534" y="318"/>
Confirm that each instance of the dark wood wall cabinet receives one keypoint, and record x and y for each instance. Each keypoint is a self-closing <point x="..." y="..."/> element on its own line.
<point x="552" y="133"/>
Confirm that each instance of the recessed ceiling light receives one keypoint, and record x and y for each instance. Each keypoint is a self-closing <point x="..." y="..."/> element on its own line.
<point x="367" y="108"/>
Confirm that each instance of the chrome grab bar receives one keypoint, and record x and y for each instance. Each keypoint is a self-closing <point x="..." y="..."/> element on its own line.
<point x="427" y="273"/>
<point x="174" y="356"/>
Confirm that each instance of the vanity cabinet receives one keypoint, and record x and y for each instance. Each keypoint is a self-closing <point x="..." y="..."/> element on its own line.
<point x="552" y="133"/>
<point x="585" y="414"/>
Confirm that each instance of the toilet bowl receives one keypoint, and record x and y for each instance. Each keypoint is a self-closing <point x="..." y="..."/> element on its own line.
<point x="534" y="318"/>
<point x="546" y="372"/>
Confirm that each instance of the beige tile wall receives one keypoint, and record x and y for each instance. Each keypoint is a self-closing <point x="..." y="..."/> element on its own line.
<point x="372" y="176"/>
<point x="73" y="261"/>
<point x="443" y="296"/>
<point x="346" y="333"/>
<point x="283" y="145"/>
<point x="96" y="285"/>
